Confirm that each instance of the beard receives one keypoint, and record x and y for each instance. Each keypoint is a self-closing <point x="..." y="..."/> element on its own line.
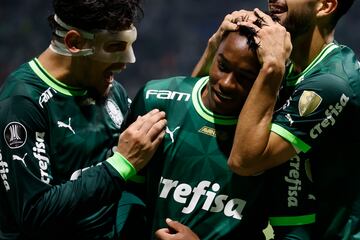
<point x="298" y="25"/>
<point x="300" y="22"/>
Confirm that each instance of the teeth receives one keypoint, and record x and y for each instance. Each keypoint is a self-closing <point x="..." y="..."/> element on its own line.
<point x="117" y="71"/>
<point x="225" y="97"/>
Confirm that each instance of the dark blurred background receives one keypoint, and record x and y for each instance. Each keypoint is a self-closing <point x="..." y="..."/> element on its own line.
<point x="171" y="37"/>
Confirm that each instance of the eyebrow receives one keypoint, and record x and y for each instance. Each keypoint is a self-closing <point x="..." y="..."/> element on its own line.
<point x="248" y="73"/>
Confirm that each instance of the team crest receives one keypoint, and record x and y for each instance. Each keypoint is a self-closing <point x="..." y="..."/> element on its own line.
<point x="15" y="135"/>
<point x="114" y="112"/>
<point x="308" y="103"/>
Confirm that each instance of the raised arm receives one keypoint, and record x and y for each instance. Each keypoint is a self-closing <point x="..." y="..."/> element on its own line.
<point x="255" y="147"/>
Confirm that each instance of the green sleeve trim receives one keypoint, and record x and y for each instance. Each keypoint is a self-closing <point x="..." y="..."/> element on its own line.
<point x="122" y="165"/>
<point x="137" y="179"/>
<point x="292" y="221"/>
<point x="297" y="142"/>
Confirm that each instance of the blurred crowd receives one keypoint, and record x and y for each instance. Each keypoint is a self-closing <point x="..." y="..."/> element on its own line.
<point x="171" y="36"/>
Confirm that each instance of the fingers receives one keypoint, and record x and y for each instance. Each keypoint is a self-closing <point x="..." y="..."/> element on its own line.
<point x="146" y="122"/>
<point x="176" y="231"/>
<point x="263" y="17"/>
<point x="141" y="119"/>
<point x="140" y="140"/>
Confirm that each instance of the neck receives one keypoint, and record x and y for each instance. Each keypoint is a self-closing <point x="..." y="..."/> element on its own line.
<point x="60" y="67"/>
<point x="313" y="42"/>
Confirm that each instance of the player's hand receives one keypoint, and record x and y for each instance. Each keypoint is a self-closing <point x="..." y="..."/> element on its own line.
<point x="273" y="39"/>
<point x="140" y="140"/>
<point x="230" y="23"/>
<point x="175" y="231"/>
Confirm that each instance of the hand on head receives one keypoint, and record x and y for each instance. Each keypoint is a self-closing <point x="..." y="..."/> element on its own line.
<point x="273" y="39"/>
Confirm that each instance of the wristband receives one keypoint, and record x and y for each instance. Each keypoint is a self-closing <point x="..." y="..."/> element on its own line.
<point x="122" y="165"/>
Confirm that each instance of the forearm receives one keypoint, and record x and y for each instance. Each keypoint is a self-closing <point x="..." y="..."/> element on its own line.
<point x="202" y="67"/>
<point x="252" y="136"/>
<point x="73" y="201"/>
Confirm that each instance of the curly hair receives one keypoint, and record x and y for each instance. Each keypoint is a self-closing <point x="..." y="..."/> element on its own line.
<point x="92" y="15"/>
<point x="250" y="32"/>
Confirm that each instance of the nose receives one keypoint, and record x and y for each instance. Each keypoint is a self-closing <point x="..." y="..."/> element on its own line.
<point x="228" y="83"/>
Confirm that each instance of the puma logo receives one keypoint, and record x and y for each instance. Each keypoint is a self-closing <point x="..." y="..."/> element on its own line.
<point x="64" y="125"/>
<point x="290" y="119"/>
<point x="171" y="133"/>
<point x="15" y="157"/>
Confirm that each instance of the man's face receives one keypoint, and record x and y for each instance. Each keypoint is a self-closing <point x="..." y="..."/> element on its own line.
<point x="297" y="16"/>
<point x="232" y="73"/>
<point x="112" y="51"/>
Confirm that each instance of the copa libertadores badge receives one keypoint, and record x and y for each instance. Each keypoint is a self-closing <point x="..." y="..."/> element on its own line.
<point x="114" y="112"/>
<point x="15" y="135"/>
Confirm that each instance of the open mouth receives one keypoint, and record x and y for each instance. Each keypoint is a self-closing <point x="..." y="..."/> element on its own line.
<point x="222" y="96"/>
<point x="109" y="77"/>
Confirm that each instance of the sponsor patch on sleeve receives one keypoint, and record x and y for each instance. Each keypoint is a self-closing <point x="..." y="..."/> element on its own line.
<point x="15" y="135"/>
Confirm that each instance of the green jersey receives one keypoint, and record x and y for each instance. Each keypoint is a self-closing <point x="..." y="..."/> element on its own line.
<point x="56" y="182"/>
<point x="188" y="179"/>
<point x="321" y="119"/>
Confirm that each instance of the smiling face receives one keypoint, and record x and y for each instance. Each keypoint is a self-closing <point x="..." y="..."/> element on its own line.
<point x="297" y="16"/>
<point x="232" y="73"/>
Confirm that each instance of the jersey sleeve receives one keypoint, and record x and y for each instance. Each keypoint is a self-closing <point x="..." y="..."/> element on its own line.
<point x="314" y="108"/>
<point x="33" y="199"/>
<point x="292" y="203"/>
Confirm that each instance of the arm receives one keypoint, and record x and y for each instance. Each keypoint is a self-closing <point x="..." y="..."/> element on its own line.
<point x="175" y="231"/>
<point x="41" y="203"/>
<point x="255" y="147"/>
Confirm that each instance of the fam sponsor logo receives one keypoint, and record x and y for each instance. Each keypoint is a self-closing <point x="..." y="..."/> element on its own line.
<point x="39" y="152"/>
<point x="15" y="135"/>
<point x="293" y="181"/>
<point x="206" y="193"/>
<point x="46" y="96"/>
<point x="331" y="113"/>
<point x="166" y="94"/>
<point x="114" y="112"/>
<point x="4" y="170"/>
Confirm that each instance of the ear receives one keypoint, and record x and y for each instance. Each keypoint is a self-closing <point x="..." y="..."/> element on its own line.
<point x="326" y="7"/>
<point x="73" y="41"/>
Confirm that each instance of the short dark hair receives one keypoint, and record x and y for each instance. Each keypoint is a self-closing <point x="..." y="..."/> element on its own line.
<point x="342" y="8"/>
<point x="250" y="33"/>
<point x="92" y="15"/>
<point x="247" y="32"/>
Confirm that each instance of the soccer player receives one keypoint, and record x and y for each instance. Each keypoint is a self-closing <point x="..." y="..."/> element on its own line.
<point x="61" y="115"/>
<point x="318" y="114"/>
<point x="188" y="179"/>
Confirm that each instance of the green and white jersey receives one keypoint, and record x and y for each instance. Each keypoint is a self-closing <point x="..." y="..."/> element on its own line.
<point x="321" y="119"/>
<point x="188" y="179"/>
<point x="54" y="141"/>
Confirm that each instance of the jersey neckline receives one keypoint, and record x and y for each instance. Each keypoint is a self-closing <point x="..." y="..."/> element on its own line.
<point x="203" y="111"/>
<point x="296" y="79"/>
<point x="46" y="77"/>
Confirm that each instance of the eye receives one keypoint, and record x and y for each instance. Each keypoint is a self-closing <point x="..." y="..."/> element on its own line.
<point x="115" y="46"/>
<point x="245" y="78"/>
<point x="223" y="67"/>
